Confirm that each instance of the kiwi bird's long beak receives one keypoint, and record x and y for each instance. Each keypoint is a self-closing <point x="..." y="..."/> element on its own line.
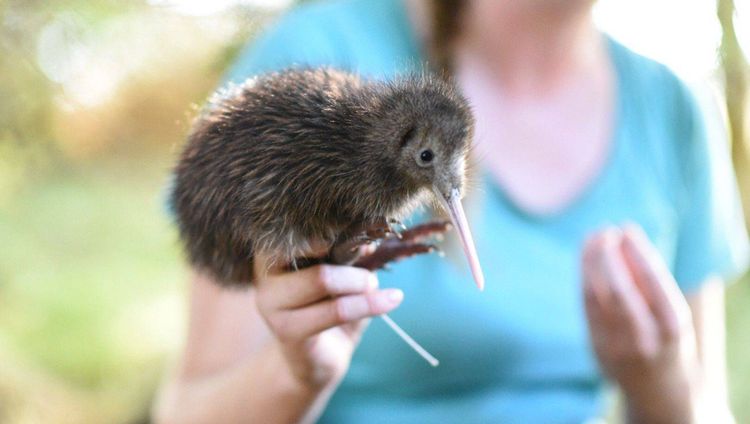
<point x="452" y="203"/>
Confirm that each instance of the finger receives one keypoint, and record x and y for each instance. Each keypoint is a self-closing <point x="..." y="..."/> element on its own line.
<point x="653" y="277"/>
<point x="647" y="262"/>
<point x="356" y="329"/>
<point x="298" y="324"/>
<point x="599" y="325"/>
<point x="296" y="289"/>
<point x="592" y="304"/>
<point x="591" y="250"/>
<point x="605" y="325"/>
<point x="610" y="333"/>
<point x="624" y="306"/>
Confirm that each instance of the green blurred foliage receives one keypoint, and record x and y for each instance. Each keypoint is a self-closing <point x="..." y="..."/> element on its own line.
<point x="89" y="301"/>
<point x="94" y="98"/>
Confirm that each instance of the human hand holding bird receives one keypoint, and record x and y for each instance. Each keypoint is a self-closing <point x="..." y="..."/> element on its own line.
<point x="317" y="314"/>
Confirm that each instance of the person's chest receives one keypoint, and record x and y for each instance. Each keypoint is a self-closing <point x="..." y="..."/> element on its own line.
<point x="544" y="146"/>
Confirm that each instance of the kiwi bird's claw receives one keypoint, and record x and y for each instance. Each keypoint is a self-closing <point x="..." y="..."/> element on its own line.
<point x="397" y="223"/>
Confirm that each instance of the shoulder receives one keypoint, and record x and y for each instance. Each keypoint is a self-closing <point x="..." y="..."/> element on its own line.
<point x="673" y="128"/>
<point x="659" y="103"/>
<point x="321" y="17"/>
<point x="333" y="32"/>
<point x="649" y="79"/>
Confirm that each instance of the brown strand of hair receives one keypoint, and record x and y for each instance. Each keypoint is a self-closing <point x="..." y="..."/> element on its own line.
<point x="445" y="22"/>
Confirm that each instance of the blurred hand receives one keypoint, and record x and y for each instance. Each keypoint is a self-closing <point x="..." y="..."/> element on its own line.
<point x="640" y="325"/>
<point x="318" y="314"/>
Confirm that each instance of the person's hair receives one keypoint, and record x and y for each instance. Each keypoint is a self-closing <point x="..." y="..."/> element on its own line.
<point x="444" y="28"/>
<point x="445" y="25"/>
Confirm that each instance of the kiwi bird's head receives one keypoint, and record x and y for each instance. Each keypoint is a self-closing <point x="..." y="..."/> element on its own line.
<point x="429" y="129"/>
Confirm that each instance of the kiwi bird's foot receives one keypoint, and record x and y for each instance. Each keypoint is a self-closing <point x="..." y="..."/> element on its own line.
<point x="392" y="250"/>
<point x="413" y="241"/>
<point x="393" y="244"/>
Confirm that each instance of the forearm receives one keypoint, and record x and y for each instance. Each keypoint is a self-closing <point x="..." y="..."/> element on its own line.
<point x="261" y="389"/>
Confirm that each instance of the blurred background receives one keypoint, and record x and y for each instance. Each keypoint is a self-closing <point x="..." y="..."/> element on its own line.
<point x="95" y="100"/>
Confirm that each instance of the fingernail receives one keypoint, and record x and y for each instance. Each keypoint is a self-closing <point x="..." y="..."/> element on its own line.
<point x="395" y="295"/>
<point x="615" y="232"/>
<point x="389" y="298"/>
<point x="612" y="237"/>
<point x="635" y="232"/>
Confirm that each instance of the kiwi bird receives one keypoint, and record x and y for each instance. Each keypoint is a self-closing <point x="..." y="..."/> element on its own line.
<point x="304" y="155"/>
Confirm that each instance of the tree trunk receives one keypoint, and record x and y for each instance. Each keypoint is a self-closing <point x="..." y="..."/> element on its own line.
<point x="736" y="75"/>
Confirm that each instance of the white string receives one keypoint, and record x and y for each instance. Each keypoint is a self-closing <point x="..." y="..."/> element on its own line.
<point x="414" y="345"/>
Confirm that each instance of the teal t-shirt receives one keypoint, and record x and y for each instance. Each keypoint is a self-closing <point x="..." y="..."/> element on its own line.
<point x="519" y="352"/>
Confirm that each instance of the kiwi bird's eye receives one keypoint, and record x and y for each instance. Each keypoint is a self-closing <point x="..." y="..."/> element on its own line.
<point x="426" y="156"/>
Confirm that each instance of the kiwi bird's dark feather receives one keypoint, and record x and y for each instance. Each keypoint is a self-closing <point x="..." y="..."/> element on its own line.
<point x="294" y="156"/>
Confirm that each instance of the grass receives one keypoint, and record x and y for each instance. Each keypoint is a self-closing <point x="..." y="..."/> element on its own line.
<point x="90" y="286"/>
<point x="92" y="296"/>
<point x="738" y="348"/>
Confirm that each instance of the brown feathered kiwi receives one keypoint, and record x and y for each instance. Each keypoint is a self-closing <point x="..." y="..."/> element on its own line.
<point x="307" y="154"/>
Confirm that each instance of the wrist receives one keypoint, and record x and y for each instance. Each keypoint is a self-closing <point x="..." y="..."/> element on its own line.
<point x="302" y="400"/>
<point x="304" y="372"/>
<point x="299" y="377"/>
<point x="290" y="377"/>
<point x="655" y="413"/>
<point x="668" y="398"/>
<point x="276" y="376"/>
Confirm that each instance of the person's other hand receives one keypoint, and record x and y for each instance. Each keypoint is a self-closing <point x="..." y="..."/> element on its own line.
<point x="640" y="324"/>
<point x="318" y="314"/>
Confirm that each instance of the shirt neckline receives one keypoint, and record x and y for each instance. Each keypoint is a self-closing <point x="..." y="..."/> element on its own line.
<point x="587" y="194"/>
